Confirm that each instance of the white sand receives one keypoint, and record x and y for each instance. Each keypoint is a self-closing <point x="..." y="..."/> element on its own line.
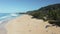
<point x="26" y="25"/>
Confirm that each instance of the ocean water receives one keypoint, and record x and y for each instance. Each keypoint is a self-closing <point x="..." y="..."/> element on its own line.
<point x="5" y="16"/>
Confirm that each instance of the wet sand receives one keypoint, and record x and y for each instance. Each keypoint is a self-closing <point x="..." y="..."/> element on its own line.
<point x="2" y="28"/>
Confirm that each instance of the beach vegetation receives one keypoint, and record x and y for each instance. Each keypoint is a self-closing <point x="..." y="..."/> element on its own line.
<point x="50" y="13"/>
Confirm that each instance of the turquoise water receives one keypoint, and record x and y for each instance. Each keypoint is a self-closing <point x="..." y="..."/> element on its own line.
<point x="4" y="16"/>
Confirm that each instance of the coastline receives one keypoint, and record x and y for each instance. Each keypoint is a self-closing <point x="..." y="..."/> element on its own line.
<point x="4" y="21"/>
<point x="26" y="25"/>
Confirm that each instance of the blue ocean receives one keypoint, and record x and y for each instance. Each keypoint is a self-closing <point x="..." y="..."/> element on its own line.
<point x="5" y="16"/>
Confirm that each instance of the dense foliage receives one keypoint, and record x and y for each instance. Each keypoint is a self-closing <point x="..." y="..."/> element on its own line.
<point x="49" y="13"/>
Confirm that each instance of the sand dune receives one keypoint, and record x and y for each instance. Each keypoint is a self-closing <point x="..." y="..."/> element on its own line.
<point x="26" y="25"/>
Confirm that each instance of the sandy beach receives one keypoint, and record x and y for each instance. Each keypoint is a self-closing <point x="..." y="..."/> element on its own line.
<point x="26" y="25"/>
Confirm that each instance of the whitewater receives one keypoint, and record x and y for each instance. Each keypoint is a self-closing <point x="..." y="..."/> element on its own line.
<point x="4" y="18"/>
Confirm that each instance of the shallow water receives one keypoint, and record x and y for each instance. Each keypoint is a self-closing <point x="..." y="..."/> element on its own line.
<point x="7" y="15"/>
<point x="4" y="18"/>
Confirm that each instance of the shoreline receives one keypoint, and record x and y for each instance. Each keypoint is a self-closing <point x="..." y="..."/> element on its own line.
<point x="24" y="24"/>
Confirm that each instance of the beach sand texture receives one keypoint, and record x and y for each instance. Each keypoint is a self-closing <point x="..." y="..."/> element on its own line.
<point x="26" y="25"/>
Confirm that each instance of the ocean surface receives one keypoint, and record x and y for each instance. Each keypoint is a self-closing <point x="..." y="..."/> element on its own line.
<point x="5" y="16"/>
